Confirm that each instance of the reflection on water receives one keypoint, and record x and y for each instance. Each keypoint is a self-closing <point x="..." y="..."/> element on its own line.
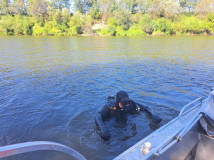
<point x="52" y="87"/>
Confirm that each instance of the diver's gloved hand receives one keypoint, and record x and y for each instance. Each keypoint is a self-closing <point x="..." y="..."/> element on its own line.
<point x="156" y="119"/>
<point x="104" y="133"/>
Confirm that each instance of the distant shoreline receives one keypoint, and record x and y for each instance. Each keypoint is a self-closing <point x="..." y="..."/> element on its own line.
<point x="82" y="25"/>
<point x="188" y="35"/>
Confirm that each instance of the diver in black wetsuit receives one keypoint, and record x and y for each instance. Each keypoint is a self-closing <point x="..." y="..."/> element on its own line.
<point x="119" y="107"/>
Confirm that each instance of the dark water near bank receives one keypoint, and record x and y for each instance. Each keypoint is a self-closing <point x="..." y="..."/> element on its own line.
<point x="52" y="87"/>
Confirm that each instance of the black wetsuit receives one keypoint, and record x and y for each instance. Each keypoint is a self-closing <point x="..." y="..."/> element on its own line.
<point x="113" y="110"/>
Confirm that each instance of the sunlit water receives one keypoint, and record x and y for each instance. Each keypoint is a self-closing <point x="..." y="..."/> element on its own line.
<point x="52" y="87"/>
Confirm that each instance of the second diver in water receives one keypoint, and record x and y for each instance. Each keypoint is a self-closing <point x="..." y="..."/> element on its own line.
<point x="121" y="105"/>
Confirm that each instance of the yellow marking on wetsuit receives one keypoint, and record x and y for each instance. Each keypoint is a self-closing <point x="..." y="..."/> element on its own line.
<point x="115" y="108"/>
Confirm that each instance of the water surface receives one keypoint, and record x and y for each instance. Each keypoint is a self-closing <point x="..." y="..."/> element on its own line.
<point x="52" y="87"/>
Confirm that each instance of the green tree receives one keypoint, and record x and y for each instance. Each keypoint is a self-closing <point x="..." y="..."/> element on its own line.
<point x="76" y="23"/>
<point x="122" y="18"/>
<point x="7" y="25"/>
<point x="192" y="25"/>
<point x="65" y="15"/>
<point x="50" y="12"/>
<point x="136" y="18"/>
<point x="22" y="25"/>
<point x="94" y="10"/>
<point x="165" y="26"/>
<point x="87" y="24"/>
<point x="147" y="24"/>
<point x="209" y="24"/>
<point x="81" y="23"/>
<point x="135" y="31"/>
<point x="58" y="16"/>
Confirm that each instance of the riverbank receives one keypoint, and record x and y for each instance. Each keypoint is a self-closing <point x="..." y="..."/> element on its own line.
<point x="83" y="25"/>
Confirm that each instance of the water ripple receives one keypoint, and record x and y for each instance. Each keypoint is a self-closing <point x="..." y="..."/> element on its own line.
<point x="52" y="87"/>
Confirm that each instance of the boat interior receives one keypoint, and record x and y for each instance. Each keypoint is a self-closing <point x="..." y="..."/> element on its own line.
<point x="195" y="145"/>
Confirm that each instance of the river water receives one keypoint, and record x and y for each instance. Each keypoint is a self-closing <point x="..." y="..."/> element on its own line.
<point x="52" y="87"/>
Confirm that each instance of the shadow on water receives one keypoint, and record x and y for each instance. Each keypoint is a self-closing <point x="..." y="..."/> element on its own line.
<point x="125" y="131"/>
<point x="51" y="88"/>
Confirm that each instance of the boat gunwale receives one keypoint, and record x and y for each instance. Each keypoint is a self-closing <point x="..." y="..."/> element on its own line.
<point x="150" y="136"/>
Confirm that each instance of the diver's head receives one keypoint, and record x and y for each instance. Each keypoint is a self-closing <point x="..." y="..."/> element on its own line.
<point x="122" y="99"/>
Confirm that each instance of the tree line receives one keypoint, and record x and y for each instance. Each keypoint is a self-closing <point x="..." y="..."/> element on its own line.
<point x="106" y="17"/>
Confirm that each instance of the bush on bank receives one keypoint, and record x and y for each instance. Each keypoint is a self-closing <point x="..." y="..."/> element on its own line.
<point x="62" y="24"/>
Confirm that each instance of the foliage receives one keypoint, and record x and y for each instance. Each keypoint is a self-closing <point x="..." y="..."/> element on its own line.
<point x="76" y="20"/>
<point x="122" y="19"/>
<point x="120" y="31"/>
<point x="158" y="33"/>
<point x="7" y="26"/>
<point x="38" y="30"/>
<point x="17" y="25"/>
<point x="191" y="25"/>
<point x="209" y="24"/>
<point x="65" y="15"/>
<point x="106" y="17"/>
<point x="147" y="24"/>
<point x="111" y="30"/>
<point x="94" y="11"/>
<point x="165" y="27"/>
<point x="136" y="18"/>
<point x="135" y="31"/>
<point x="87" y="24"/>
